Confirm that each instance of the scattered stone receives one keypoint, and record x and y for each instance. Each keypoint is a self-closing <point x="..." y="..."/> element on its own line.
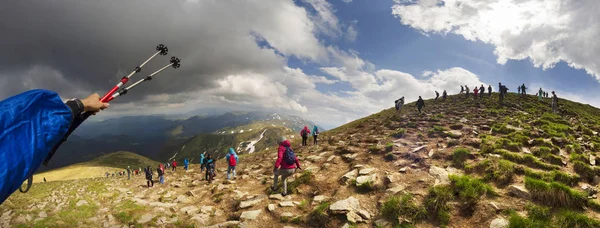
<point x="189" y="210"/>
<point x="277" y="197"/>
<point x="320" y="198"/>
<point x="220" y="187"/>
<point x="145" y="218"/>
<point x="455" y="134"/>
<point x="271" y="207"/>
<point x="42" y="214"/>
<point x="81" y="203"/>
<point x="499" y="223"/>
<point x="345" y="206"/>
<point x="225" y="224"/>
<point x="419" y="149"/>
<point x="331" y="158"/>
<point x="314" y="158"/>
<point x="592" y="160"/>
<point x="201" y="218"/>
<point x="287" y="215"/>
<point x="519" y="191"/>
<point x="589" y="189"/>
<point x="286" y="204"/>
<point x="394" y="190"/>
<point x="493" y="205"/>
<point x="403" y="170"/>
<point x="349" y="176"/>
<point x="176" y="184"/>
<point x="463" y="120"/>
<point x="526" y="150"/>
<point x="366" y="171"/>
<point x="430" y="154"/>
<point x="207" y="209"/>
<point x="182" y="199"/>
<point x="252" y="202"/>
<point x="382" y="223"/>
<point x="250" y="215"/>
<point x="195" y="183"/>
<point x="230" y="182"/>
<point x="353" y="217"/>
<point x="440" y="174"/>
<point x="364" y="214"/>
<point x="349" y="157"/>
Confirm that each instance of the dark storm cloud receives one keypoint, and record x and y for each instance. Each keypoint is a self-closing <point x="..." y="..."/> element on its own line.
<point x="91" y="44"/>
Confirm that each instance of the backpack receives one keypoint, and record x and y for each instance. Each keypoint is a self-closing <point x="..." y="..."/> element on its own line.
<point x="304" y="133"/>
<point x="232" y="161"/>
<point x="289" y="157"/>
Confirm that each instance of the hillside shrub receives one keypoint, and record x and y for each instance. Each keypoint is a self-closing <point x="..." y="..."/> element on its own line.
<point x="554" y="194"/>
<point x="469" y="190"/>
<point x="403" y="207"/>
<point x="459" y="156"/>
<point x="436" y="203"/>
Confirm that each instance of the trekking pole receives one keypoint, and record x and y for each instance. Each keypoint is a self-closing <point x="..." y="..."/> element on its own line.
<point x="175" y="63"/>
<point x="161" y="49"/>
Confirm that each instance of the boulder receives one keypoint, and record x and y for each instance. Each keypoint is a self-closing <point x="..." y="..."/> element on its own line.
<point x="349" y="176"/>
<point x="353" y="217"/>
<point x="287" y="215"/>
<point x="364" y="214"/>
<point x="345" y="206"/>
<point x="366" y="171"/>
<point x="403" y="170"/>
<point x="250" y="215"/>
<point x="207" y="209"/>
<point x="286" y="204"/>
<point x="320" y="198"/>
<point x="440" y="174"/>
<point x="271" y="207"/>
<point x="362" y="180"/>
<point x="499" y="223"/>
<point x="394" y="190"/>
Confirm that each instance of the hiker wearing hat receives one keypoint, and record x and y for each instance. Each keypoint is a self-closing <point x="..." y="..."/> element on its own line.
<point x="285" y="166"/>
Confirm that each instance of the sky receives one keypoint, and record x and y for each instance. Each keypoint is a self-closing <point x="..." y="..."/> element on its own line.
<point x="329" y="61"/>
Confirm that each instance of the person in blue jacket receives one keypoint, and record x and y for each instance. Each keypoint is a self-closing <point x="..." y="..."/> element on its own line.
<point x="231" y="159"/>
<point x="202" y="162"/>
<point x="32" y="124"/>
<point x="315" y="134"/>
<point x="186" y="163"/>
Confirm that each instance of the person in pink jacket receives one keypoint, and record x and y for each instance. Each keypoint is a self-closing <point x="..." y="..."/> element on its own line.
<point x="285" y="166"/>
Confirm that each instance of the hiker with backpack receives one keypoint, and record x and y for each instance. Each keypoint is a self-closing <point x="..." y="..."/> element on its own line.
<point x="285" y="166"/>
<point x="304" y="133"/>
<point x="420" y="104"/>
<point x="475" y="92"/>
<point x="186" y="163"/>
<point x="174" y="165"/>
<point x="461" y="89"/>
<point x="231" y="159"/>
<point x="149" y="180"/>
<point x="32" y="124"/>
<point x="444" y="95"/>
<point x="210" y="169"/>
<point x="467" y="91"/>
<point x="315" y="133"/>
<point x="489" y="90"/>
<point x="398" y="104"/>
<point x="161" y="173"/>
<point x="523" y="89"/>
<point x="201" y="162"/>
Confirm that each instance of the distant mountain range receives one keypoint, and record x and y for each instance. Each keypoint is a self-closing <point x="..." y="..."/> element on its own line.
<point x="159" y="138"/>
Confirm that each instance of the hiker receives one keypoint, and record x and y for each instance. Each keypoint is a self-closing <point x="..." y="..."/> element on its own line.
<point x="174" y="165"/>
<point x="436" y="95"/>
<point x="540" y="94"/>
<point x="481" y="91"/>
<point x="231" y="159"/>
<point x="128" y="173"/>
<point x="149" y="180"/>
<point x="33" y="123"/>
<point x="523" y="88"/>
<point x="202" y="162"/>
<point x="44" y="179"/>
<point x="107" y="175"/>
<point x="554" y="103"/>
<point x="503" y="91"/>
<point x="475" y="92"/>
<point x="519" y="89"/>
<point x="304" y="133"/>
<point x="399" y="103"/>
<point x="161" y="173"/>
<point x="444" y="95"/>
<point x="420" y="104"/>
<point x="315" y="133"/>
<point x="461" y="89"/>
<point x="285" y="166"/>
<point x="186" y="162"/>
<point x="467" y="91"/>
<point x="489" y="90"/>
<point x="210" y="169"/>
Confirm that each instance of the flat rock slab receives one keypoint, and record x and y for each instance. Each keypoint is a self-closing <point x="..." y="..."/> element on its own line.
<point x="286" y="204"/>
<point x="250" y="215"/>
<point x="252" y="202"/>
<point x="345" y="206"/>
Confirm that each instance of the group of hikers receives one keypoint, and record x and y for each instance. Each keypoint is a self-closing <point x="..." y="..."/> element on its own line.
<point x="285" y="165"/>
<point x="479" y="92"/>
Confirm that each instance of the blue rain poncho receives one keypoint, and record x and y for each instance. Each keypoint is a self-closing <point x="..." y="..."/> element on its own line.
<point x="32" y="123"/>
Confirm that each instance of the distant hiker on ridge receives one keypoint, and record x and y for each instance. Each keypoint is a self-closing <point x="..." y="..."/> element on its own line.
<point x="481" y="91"/>
<point x="444" y="95"/>
<point x="174" y="165"/>
<point x="436" y="95"/>
<point x="304" y="133"/>
<point x="519" y="89"/>
<point x="467" y="91"/>
<point x="523" y="88"/>
<point x="202" y="162"/>
<point x="399" y="103"/>
<point x="149" y="180"/>
<point x="420" y="104"/>
<point x="315" y="133"/>
<point x="461" y="89"/>
<point x="186" y="163"/>
<point x="285" y="166"/>
<point x="475" y="92"/>
<point x="128" y="173"/>
<point x="489" y="90"/>
<point x="540" y="94"/>
<point x="554" y="103"/>
<point x="232" y="159"/>
<point x="161" y="173"/>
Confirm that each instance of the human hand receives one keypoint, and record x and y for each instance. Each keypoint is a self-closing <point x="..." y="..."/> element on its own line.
<point x="92" y="103"/>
